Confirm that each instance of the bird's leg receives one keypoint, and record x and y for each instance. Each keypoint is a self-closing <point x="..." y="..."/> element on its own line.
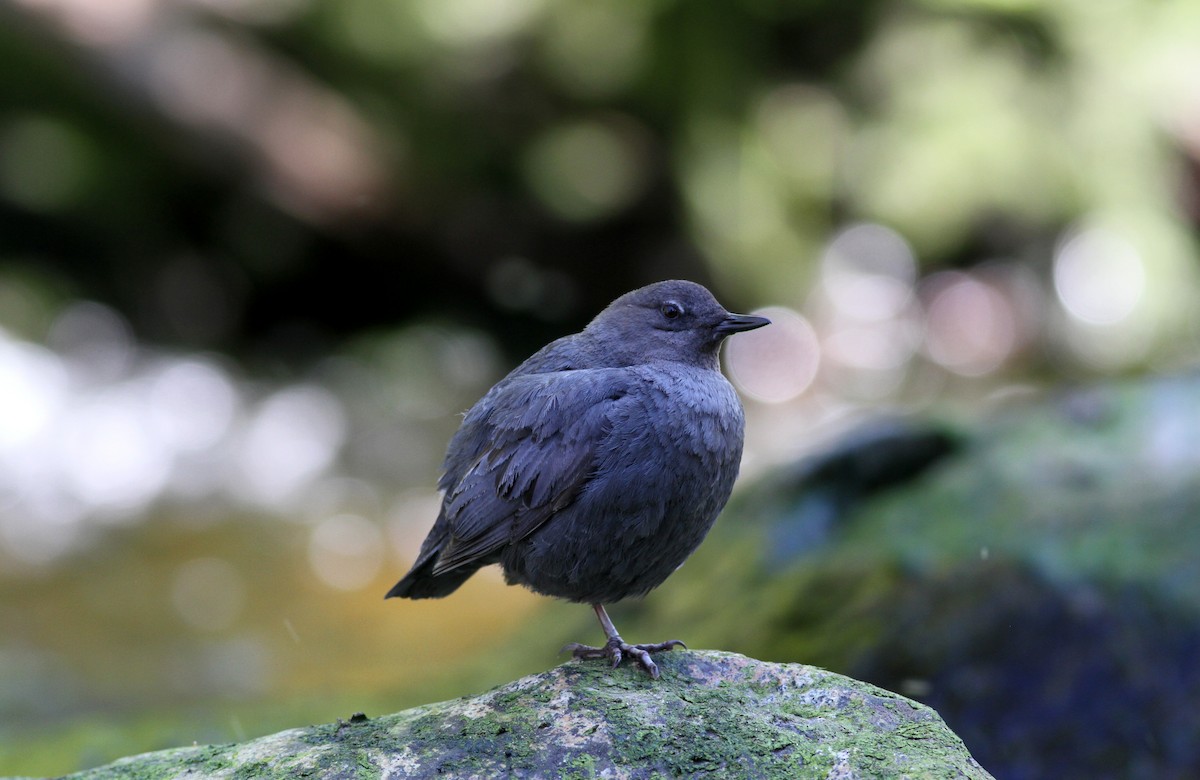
<point x="616" y="648"/>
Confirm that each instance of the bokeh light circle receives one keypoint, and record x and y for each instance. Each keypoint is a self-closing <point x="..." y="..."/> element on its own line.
<point x="346" y="551"/>
<point x="776" y="363"/>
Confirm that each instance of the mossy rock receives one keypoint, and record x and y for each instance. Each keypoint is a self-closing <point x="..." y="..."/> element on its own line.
<point x="710" y="714"/>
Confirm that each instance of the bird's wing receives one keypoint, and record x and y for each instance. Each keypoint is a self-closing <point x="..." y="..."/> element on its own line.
<point x="523" y="453"/>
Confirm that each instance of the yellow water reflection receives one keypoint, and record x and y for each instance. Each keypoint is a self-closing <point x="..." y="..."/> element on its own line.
<point x="206" y="627"/>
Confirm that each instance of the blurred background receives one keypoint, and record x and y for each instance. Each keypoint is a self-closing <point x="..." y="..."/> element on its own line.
<point x="257" y="255"/>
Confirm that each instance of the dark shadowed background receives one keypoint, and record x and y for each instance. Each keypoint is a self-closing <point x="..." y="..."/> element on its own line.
<point x="257" y="255"/>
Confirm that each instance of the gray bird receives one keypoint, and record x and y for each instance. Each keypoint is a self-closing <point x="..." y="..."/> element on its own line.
<point x="595" y="468"/>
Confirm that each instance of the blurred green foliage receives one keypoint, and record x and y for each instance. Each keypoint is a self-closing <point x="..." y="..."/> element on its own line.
<point x="231" y="172"/>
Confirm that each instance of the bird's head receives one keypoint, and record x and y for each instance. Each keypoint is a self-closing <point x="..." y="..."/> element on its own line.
<point x="674" y="320"/>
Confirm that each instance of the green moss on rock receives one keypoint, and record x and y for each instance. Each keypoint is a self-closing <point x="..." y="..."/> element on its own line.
<point x="711" y="713"/>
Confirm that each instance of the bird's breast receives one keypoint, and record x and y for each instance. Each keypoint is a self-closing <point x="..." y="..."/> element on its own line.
<point x="695" y="412"/>
<point x="662" y="472"/>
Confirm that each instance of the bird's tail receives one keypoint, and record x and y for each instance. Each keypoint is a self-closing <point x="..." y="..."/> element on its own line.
<point x="422" y="583"/>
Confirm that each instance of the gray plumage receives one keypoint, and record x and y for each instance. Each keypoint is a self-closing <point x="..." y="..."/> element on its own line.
<point x="597" y="466"/>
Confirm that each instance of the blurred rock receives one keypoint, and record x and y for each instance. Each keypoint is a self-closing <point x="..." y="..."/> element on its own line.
<point x="711" y="714"/>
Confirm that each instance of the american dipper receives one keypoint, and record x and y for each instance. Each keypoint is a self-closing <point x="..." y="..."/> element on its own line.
<point x="595" y="468"/>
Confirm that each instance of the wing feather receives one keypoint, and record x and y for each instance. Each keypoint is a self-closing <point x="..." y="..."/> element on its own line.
<point x="524" y="452"/>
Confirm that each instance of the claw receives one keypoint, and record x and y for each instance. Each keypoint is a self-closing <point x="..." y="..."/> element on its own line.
<point x="616" y="650"/>
<point x="613" y="647"/>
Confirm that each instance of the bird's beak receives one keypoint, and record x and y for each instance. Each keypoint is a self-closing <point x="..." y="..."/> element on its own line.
<point x="736" y="323"/>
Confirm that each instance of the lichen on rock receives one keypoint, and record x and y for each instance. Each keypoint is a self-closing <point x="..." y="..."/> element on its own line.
<point x="711" y="713"/>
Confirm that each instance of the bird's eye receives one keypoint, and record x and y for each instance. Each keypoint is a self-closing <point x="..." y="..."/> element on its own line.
<point x="671" y="310"/>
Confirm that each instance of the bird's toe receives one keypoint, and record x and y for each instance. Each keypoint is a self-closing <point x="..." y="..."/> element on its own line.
<point x="616" y="650"/>
<point x="642" y="656"/>
<point x="670" y="644"/>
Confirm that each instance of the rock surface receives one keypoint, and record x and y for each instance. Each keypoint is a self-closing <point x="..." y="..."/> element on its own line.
<point x="711" y="714"/>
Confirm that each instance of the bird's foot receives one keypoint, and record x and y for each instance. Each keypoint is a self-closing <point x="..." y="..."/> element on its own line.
<point x="616" y="649"/>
